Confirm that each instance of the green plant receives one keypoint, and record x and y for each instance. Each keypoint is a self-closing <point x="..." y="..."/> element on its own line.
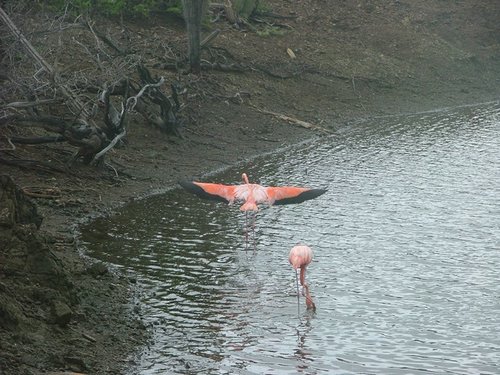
<point x="131" y="8"/>
<point x="244" y="8"/>
<point x="262" y="8"/>
<point x="270" y="31"/>
<point x="175" y="9"/>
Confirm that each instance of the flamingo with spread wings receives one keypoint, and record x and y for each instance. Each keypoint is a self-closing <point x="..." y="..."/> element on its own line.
<point x="251" y="194"/>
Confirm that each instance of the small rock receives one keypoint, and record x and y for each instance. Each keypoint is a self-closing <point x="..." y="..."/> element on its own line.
<point x="97" y="269"/>
<point x="10" y="314"/>
<point x="76" y="363"/>
<point x="62" y="313"/>
<point x="16" y="207"/>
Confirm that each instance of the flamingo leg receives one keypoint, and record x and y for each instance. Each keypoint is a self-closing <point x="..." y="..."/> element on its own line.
<point x="246" y="230"/>
<point x="302" y="275"/>
<point x="253" y="231"/>
<point x="298" y="294"/>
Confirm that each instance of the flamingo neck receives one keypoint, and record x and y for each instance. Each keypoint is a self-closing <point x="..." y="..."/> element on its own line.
<point x="245" y="178"/>
<point x="309" y="302"/>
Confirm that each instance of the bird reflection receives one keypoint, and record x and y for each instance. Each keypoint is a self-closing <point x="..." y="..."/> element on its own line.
<point x="302" y="354"/>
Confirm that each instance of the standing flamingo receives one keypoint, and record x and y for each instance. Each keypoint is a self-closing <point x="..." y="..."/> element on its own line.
<point x="300" y="256"/>
<point x="251" y="194"/>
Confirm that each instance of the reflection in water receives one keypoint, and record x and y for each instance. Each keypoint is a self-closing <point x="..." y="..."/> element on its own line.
<point x="405" y="275"/>
<point x="303" y="354"/>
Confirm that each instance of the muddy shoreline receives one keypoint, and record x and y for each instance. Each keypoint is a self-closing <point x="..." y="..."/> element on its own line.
<point x="61" y="311"/>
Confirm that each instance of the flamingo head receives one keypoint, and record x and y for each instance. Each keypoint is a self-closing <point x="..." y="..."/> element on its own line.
<point x="245" y="178"/>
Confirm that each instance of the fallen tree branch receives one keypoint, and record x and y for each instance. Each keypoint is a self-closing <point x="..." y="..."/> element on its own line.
<point x="12" y="146"/>
<point x="157" y="108"/>
<point x="110" y="145"/>
<point x="49" y="123"/>
<point x="132" y="101"/>
<point x="293" y="120"/>
<point x="94" y="126"/>
<point x="47" y="193"/>
<point x="209" y="38"/>
<point x="75" y="103"/>
<point x="36" y="140"/>
<point x="104" y="38"/>
<point x="30" y="104"/>
<point x="224" y="67"/>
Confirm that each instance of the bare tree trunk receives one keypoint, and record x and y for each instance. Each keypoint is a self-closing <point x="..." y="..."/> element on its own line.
<point x="193" y="12"/>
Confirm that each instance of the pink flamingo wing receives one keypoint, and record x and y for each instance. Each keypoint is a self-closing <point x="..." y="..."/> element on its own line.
<point x="205" y="190"/>
<point x="291" y="194"/>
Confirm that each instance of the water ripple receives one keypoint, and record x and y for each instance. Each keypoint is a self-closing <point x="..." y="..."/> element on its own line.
<point x="405" y="274"/>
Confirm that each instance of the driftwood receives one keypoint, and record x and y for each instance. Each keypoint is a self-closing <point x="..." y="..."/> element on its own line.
<point x="104" y="38"/>
<point x="36" y="140"/>
<point x="96" y="128"/>
<point x="46" y="193"/>
<point x="294" y="121"/>
<point x="156" y="107"/>
<point x="84" y="135"/>
<point x="205" y="42"/>
<point x="30" y="104"/>
<point x="11" y="148"/>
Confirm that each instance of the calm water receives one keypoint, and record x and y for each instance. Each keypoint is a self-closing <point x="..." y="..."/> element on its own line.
<point x="406" y="269"/>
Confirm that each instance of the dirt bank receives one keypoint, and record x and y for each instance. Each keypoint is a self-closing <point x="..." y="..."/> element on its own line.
<point x="60" y="311"/>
